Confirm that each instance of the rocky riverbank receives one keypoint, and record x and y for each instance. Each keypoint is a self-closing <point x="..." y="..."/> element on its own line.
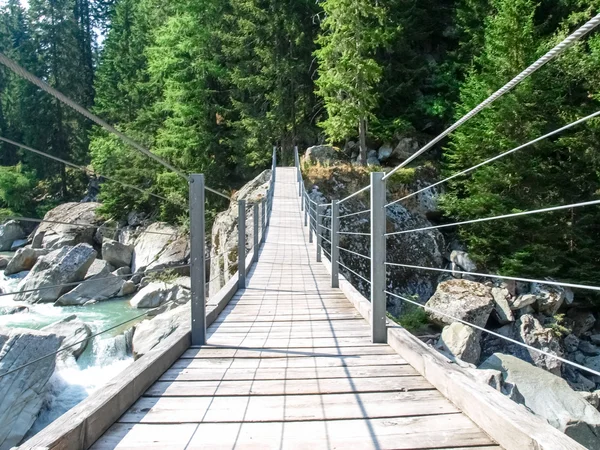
<point x="542" y="316"/>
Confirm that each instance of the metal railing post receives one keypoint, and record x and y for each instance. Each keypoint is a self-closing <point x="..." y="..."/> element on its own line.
<point x="335" y="242"/>
<point x="263" y="217"/>
<point x="318" y="220"/>
<point x="255" y="219"/>
<point x="305" y="201"/>
<point x="301" y="198"/>
<point x="197" y="263"/>
<point x="242" y="244"/>
<point x="378" y="220"/>
<point x="310" y="222"/>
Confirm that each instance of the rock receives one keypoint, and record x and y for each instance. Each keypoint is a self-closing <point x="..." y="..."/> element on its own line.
<point x="117" y="254"/>
<point x="463" y="261"/>
<point x="372" y="158"/>
<point x="593" y="362"/>
<point x="461" y="341"/>
<point x="58" y="235"/>
<point x="122" y="271"/>
<point x="549" y="298"/>
<point x="150" y="333"/>
<point x="159" y="251"/>
<point x="531" y="332"/>
<point x="551" y="397"/>
<point x="461" y="299"/>
<point x="153" y="295"/>
<point x="583" y="321"/>
<point x="589" y="349"/>
<point x="595" y="339"/>
<point x="63" y="266"/>
<point x="22" y="393"/>
<point x="384" y="152"/>
<point x="4" y="262"/>
<point x="321" y="154"/>
<point x="502" y="309"/>
<point x="593" y="398"/>
<point x="24" y="259"/>
<point x="571" y="343"/>
<point x="73" y="331"/>
<point x="108" y="230"/>
<point x="128" y="288"/>
<point x="581" y="383"/>
<point x="7" y="310"/>
<point x="522" y="301"/>
<point x="19" y="243"/>
<point x="97" y="288"/>
<point x="405" y="149"/>
<point x="492" y="378"/>
<point x="9" y="233"/>
<point x="99" y="267"/>
<point x="38" y="240"/>
<point x="135" y="219"/>
<point x="184" y="282"/>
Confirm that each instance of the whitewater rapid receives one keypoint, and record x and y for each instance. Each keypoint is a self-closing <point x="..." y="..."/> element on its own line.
<point x="105" y="357"/>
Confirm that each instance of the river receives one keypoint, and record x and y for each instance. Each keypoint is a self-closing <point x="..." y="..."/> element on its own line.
<point x="104" y="358"/>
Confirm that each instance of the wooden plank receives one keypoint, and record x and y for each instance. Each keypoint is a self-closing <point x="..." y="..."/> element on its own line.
<point x="249" y="341"/>
<point x="287" y="407"/>
<point x="282" y="363"/>
<point x="443" y="431"/>
<point x="290" y="352"/>
<point x="286" y="387"/>
<point x="288" y="374"/>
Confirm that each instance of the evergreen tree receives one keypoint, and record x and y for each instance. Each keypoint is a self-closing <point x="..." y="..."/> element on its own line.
<point x="349" y="73"/>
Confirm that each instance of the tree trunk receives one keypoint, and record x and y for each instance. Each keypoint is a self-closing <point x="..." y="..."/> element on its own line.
<point x="362" y="139"/>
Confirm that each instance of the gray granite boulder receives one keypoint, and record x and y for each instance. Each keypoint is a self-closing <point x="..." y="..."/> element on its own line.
<point x="154" y="295"/>
<point x="461" y="341"/>
<point x="74" y="333"/>
<point x="152" y="332"/>
<point x="117" y="254"/>
<point x="24" y="259"/>
<point x="461" y="299"/>
<point x="550" y="397"/>
<point x="63" y="266"/>
<point x="22" y="393"/>
<point x="160" y="246"/>
<point x="9" y="233"/>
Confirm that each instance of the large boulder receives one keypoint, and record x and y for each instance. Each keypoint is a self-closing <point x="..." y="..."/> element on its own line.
<point x="150" y="333"/>
<point x="461" y="261"/>
<point x="384" y="152"/>
<point x="22" y="393"/>
<point x="532" y="332"/>
<point x="154" y="295"/>
<point x="63" y="266"/>
<point x="322" y="154"/>
<point x="99" y="267"/>
<point x="550" y="396"/>
<point x="160" y="246"/>
<point x="99" y="287"/>
<point x="24" y="259"/>
<point x="549" y="297"/>
<point x="502" y="310"/>
<point x="581" y="321"/>
<point x="223" y="253"/>
<point x="117" y="254"/>
<point x="9" y="233"/>
<point x="461" y="341"/>
<point x="74" y="332"/>
<point x="405" y="148"/>
<point x="461" y="299"/>
<point x="57" y="235"/>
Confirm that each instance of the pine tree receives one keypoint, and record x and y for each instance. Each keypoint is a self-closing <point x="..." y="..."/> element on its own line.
<point x="352" y="32"/>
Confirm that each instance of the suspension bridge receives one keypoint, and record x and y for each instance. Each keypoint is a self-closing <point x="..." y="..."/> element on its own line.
<point x="289" y="354"/>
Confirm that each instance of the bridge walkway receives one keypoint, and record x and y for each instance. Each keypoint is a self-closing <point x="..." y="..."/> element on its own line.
<point x="289" y="364"/>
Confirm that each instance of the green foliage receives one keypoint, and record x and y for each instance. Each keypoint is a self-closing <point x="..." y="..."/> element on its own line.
<point x="412" y="318"/>
<point x="16" y="188"/>
<point x="405" y="175"/>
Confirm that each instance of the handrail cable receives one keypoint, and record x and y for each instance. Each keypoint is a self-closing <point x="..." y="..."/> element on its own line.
<point x="355" y="213"/>
<point x="503" y="277"/>
<point x="505" y="216"/>
<point x="352" y="271"/>
<point x="514" y="341"/>
<point x="77" y="283"/>
<point x="83" y="168"/>
<point x="16" y="68"/>
<point x="354" y="233"/>
<point x="354" y="253"/>
<point x="497" y="157"/>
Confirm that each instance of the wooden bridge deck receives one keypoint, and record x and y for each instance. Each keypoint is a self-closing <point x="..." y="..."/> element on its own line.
<point x="289" y="364"/>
